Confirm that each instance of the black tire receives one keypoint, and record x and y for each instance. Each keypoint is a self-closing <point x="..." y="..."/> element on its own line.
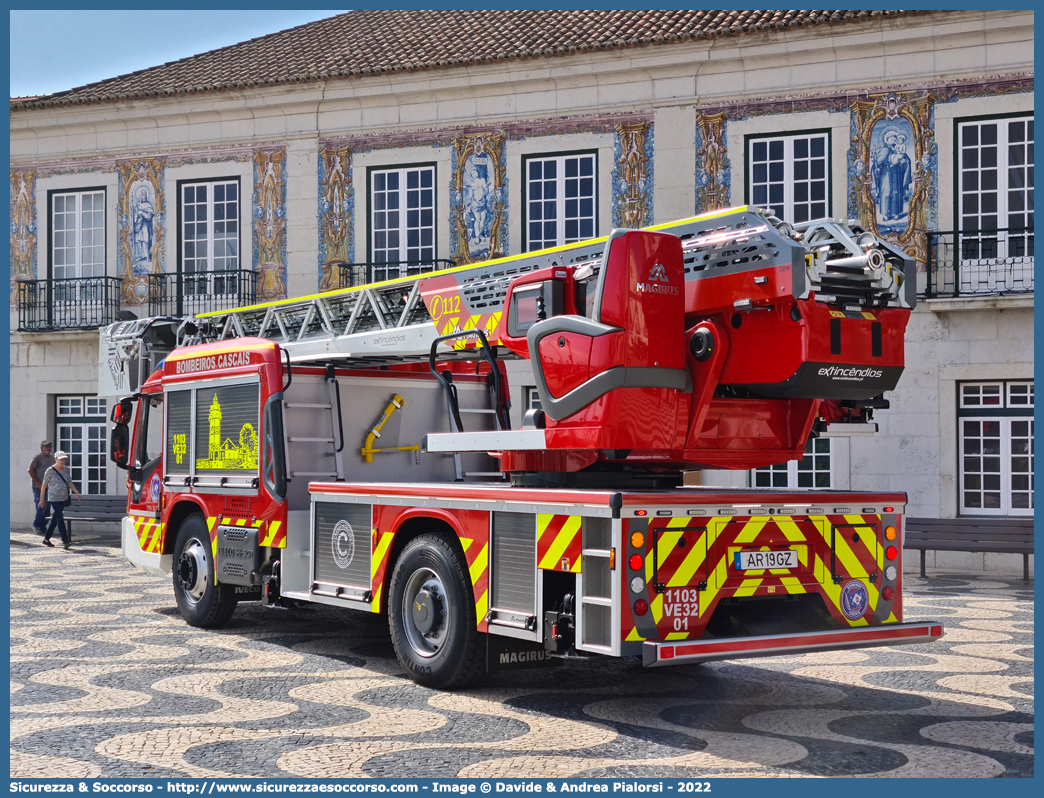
<point x="442" y="651"/>
<point x="201" y="602"/>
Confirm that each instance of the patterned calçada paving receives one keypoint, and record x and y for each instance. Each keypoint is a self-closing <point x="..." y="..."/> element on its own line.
<point x="108" y="681"/>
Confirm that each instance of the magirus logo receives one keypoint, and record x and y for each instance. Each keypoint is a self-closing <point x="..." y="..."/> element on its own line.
<point x="658" y="274"/>
<point x="850" y="373"/>
<point x="658" y="283"/>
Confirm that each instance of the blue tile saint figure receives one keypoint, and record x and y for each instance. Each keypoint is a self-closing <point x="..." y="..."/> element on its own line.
<point x="478" y="199"/>
<point x="891" y="173"/>
<point x="142" y="215"/>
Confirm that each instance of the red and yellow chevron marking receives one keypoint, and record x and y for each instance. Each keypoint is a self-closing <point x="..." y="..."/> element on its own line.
<point x="710" y="556"/>
<point x="487" y="322"/>
<point x="150" y="533"/>
<point x="559" y="542"/>
<point x="476" y="550"/>
<point x="381" y="542"/>
<point x="677" y="567"/>
<point x="854" y="560"/>
<point x="274" y="536"/>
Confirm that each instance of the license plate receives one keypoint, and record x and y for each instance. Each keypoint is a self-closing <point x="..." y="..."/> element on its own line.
<point x="758" y="560"/>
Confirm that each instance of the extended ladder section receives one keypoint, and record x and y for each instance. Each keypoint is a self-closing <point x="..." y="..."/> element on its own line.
<point x="388" y="322"/>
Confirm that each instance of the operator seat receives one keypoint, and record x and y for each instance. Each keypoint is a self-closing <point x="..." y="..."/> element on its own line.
<point x="634" y="339"/>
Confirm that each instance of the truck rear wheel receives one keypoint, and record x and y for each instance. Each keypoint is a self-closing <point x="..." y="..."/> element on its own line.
<point x="431" y="614"/>
<point x="201" y="602"/>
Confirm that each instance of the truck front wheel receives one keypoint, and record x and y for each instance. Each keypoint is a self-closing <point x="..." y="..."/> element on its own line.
<point x="431" y="613"/>
<point x="201" y="602"/>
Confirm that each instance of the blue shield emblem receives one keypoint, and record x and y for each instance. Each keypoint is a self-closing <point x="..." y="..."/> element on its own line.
<point x="854" y="600"/>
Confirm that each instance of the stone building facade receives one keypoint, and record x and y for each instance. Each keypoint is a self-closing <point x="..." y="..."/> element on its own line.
<point x="374" y="138"/>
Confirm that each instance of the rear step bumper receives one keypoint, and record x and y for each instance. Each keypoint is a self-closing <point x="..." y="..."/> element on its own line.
<point x="686" y="652"/>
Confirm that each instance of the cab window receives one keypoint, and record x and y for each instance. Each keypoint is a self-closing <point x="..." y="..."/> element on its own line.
<point x="148" y="437"/>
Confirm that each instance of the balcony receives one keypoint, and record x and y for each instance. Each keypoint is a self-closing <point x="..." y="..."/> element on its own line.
<point x="188" y="294"/>
<point x="81" y="303"/>
<point x="979" y="263"/>
<point x="352" y="275"/>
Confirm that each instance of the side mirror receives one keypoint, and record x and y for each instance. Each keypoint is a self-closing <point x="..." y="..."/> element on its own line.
<point x="122" y="411"/>
<point x="119" y="444"/>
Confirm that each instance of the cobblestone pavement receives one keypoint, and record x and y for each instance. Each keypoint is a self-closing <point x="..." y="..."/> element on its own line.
<point x="107" y="680"/>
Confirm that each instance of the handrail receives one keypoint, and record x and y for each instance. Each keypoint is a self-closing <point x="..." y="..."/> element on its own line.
<point x="67" y="303"/>
<point x="960" y="263"/>
<point x="181" y="294"/>
<point x="351" y="275"/>
<point x="447" y="382"/>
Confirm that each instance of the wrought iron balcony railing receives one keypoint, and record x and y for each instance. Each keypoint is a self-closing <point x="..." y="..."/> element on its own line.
<point x="356" y="274"/>
<point x="187" y="294"/>
<point x="979" y="263"/>
<point x="79" y="303"/>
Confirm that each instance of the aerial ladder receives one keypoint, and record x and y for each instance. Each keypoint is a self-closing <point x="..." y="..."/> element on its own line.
<point x="792" y="327"/>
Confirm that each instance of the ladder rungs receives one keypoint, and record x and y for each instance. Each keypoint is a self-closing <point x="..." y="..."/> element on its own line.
<point x="484" y="474"/>
<point x="312" y="440"/>
<point x="313" y="473"/>
<point x="466" y="410"/>
<point x="307" y="405"/>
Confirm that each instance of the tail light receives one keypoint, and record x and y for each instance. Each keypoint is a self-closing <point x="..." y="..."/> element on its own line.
<point x="890" y="533"/>
<point x="636" y="562"/>
<point x="887" y="593"/>
<point x="637" y="540"/>
<point x="641" y="606"/>
<point x="891" y="552"/>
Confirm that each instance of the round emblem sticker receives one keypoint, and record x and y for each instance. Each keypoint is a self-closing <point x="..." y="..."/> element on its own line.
<point x="154" y="487"/>
<point x="854" y="600"/>
<point x="343" y="543"/>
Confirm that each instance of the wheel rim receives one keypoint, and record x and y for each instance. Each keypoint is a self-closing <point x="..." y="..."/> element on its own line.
<point x="192" y="571"/>
<point x="425" y="612"/>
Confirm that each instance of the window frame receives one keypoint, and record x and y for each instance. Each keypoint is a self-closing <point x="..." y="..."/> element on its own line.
<point x="402" y="168"/>
<point x="181" y="184"/>
<point x="51" y="194"/>
<point x="1005" y="413"/>
<point x="526" y="159"/>
<point x="793" y="469"/>
<point x="750" y="138"/>
<point x="958" y="177"/>
<point x="84" y="420"/>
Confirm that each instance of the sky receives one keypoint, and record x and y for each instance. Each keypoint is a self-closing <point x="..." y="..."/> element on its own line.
<point x="57" y="50"/>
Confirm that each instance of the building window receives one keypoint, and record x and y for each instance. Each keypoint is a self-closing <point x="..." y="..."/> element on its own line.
<point x="560" y="200"/>
<point x="533" y="399"/>
<point x="78" y="234"/>
<point x="209" y="236"/>
<point x="81" y="433"/>
<point x="789" y="174"/>
<point x="814" y="470"/>
<point x="402" y="215"/>
<point x="995" y="426"/>
<point x="995" y="201"/>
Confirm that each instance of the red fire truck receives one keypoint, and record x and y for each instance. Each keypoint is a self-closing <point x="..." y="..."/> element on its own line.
<point x="360" y="448"/>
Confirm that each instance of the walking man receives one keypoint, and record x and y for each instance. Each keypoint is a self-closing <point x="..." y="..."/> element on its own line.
<point x="56" y="490"/>
<point x="37" y="467"/>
